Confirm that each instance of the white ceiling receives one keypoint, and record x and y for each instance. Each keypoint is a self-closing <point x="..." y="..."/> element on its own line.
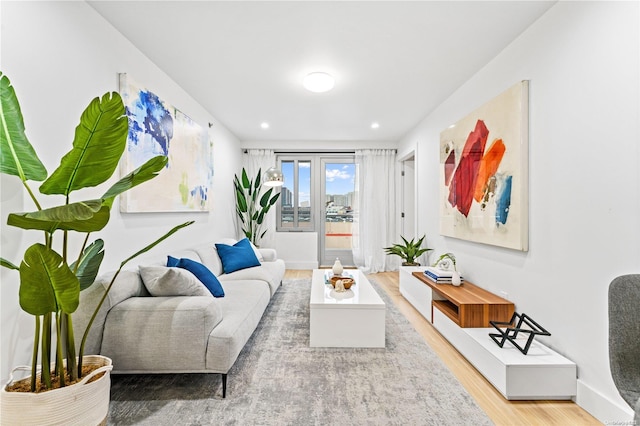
<point x="393" y="61"/>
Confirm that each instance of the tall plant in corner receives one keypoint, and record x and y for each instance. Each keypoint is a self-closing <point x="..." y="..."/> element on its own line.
<point x="50" y="280"/>
<point x="252" y="206"/>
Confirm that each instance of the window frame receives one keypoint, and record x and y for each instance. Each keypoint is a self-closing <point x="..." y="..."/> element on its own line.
<point x="313" y="189"/>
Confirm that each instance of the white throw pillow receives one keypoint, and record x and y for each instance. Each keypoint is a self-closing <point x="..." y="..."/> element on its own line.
<point x="257" y="252"/>
<point x="165" y="281"/>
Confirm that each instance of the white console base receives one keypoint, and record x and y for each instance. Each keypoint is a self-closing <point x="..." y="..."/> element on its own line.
<point x="541" y="374"/>
<point x="414" y="290"/>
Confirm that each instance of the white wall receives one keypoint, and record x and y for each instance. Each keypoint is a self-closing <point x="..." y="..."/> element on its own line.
<point x="582" y="60"/>
<point x="58" y="56"/>
<point x="299" y="250"/>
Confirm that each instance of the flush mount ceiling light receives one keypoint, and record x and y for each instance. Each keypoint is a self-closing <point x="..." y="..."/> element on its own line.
<point x="375" y="125"/>
<point x="318" y="82"/>
<point x="264" y="125"/>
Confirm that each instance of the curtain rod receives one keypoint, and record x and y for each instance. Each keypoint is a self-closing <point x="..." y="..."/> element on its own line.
<point x="245" y="150"/>
<point x="315" y="152"/>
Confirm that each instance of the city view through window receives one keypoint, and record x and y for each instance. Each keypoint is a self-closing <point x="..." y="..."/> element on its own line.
<point x="338" y="200"/>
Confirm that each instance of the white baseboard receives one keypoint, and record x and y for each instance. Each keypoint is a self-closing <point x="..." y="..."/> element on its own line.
<point x="301" y="265"/>
<point x="602" y="408"/>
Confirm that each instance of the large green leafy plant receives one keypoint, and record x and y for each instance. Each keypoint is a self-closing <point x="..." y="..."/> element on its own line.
<point x="409" y="251"/>
<point x="51" y="280"/>
<point x="252" y="206"/>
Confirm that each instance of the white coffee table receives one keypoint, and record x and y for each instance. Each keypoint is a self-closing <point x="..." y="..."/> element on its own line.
<point x="353" y="319"/>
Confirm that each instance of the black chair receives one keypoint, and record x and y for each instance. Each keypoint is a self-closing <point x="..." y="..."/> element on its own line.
<point x="624" y="338"/>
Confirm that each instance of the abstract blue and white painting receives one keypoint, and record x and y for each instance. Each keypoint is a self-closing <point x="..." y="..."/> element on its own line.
<point x="158" y="128"/>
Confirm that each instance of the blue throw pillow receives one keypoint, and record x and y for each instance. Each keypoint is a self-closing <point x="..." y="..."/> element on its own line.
<point x="238" y="256"/>
<point x="201" y="272"/>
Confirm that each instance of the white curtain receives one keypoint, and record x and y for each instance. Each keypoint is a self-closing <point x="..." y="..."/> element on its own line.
<point x="375" y="220"/>
<point x="261" y="159"/>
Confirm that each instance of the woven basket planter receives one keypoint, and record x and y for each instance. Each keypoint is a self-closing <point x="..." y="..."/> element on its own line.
<point x="82" y="403"/>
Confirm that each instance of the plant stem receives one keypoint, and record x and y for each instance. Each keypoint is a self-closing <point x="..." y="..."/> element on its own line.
<point x="46" y="350"/>
<point x="34" y="356"/>
<point x="59" y="363"/>
<point x="71" y="348"/>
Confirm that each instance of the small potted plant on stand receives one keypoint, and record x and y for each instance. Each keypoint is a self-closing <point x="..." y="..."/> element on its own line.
<point x="60" y="391"/>
<point x="409" y="251"/>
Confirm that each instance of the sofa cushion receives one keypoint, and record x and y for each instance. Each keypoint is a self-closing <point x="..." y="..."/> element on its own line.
<point x="256" y="274"/>
<point x="238" y="256"/>
<point x="209" y="257"/>
<point x="185" y="254"/>
<point x="242" y="310"/>
<point x="201" y="272"/>
<point x="166" y="281"/>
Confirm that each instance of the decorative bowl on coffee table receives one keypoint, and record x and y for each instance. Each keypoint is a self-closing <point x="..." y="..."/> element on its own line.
<point x="346" y="281"/>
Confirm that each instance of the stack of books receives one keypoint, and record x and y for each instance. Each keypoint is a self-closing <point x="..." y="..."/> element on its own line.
<point x="440" y="276"/>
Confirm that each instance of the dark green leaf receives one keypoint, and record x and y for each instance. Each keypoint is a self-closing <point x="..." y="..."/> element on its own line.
<point x="274" y="199"/>
<point x="17" y="156"/>
<point x="256" y="185"/>
<point x="245" y="180"/>
<point x="264" y="200"/>
<point x="241" y="201"/>
<point x="236" y="183"/>
<point x="147" y="171"/>
<point x="89" y="264"/>
<point x="46" y="283"/>
<point x="98" y="144"/>
<point x="240" y="215"/>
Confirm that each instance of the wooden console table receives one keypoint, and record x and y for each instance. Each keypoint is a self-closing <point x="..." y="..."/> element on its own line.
<point x="462" y="314"/>
<point x="468" y="305"/>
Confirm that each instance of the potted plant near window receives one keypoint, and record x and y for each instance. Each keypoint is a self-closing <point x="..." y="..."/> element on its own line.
<point x="409" y="251"/>
<point x="252" y="206"/>
<point x="51" y="278"/>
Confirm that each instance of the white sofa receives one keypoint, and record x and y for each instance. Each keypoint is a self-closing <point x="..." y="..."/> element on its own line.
<point x="178" y="334"/>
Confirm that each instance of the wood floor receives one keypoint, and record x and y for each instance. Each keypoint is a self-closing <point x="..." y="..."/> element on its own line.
<point x="500" y="410"/>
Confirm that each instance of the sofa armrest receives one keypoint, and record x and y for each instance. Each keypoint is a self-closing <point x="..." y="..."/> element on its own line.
<point x="268" y="254"/>
<point x="160" y="333"/>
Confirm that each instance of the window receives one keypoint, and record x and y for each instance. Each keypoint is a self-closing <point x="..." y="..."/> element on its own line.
<point x="318" y="196"/>
<point x="295" y="211"/>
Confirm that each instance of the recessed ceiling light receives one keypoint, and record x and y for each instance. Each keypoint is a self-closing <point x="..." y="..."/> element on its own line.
<point x="264" y="125"/>
<point x="375" y="125"/>
<point x="318" y="82"/>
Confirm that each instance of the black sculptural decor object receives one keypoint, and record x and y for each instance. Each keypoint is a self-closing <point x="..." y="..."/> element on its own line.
<point x="514" y="327"/>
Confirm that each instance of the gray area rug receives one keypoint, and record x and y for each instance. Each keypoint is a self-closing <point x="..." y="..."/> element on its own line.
<point x="279" y="380"/>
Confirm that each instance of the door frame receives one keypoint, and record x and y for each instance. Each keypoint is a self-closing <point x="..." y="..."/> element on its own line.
<point x="327" y="257"/>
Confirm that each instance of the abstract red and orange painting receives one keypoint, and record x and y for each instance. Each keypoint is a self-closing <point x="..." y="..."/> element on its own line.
<point x="484" y="173"/>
